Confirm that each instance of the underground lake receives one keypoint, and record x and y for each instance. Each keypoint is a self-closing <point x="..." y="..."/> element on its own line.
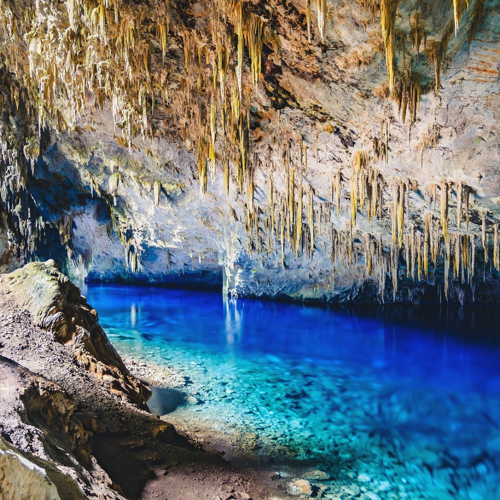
<point x="404" y="402"/>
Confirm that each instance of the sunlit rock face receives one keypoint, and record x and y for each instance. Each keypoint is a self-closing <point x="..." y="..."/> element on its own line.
<point x="338" y="150"/>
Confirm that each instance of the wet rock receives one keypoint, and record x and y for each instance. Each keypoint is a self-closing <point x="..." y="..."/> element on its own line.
<point x="351" y="490"/>
<point x="300" y="487"/>
<point x="364" y="478"/>
<point x="316" y="475"/>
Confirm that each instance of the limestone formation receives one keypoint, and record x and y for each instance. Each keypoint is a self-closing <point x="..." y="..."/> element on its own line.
<point x="255" y="144"/>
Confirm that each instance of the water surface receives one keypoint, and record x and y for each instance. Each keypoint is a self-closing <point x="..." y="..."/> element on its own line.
<point x="414" y="406"/>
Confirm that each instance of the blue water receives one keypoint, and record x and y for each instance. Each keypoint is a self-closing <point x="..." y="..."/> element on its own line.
<point x="354" y="393"/>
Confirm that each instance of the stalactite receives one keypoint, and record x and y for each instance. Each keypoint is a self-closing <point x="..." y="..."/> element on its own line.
<point x="417" y="33"/>
<point x="413" y="252"/>
<point x="308" y="19"/>
<point x="354" y="198"/>
<point x="444" y="208"/>
<point x="447" y="266"/>
<point x="402" y="191"/>
<point x="368" y="255"/>
<point x="457" y="13"/>
<point x="456" y="255"/>
<point x="459" y="191"/>
<point x="467" y="193"/>
<point x="484" y="240"/>
<point x="94" y="185"/>
<point x="338" y="193"/>
<point x="322" y="13"/>
<point x="282" y="237"/>
<point x="496" y="262"/>
<point x="407" y="94"/>
<point x="473" y="254"/>
<point x="428" y="221"/>
<point x="157" y="192"/>
<point x="113" y="183"/>
<point x="226" y="178"/>
<point x="407" y="247"/>
<point x="388" y="9"/>
<point x="298" y="239"/>
<point x="310" y="218"/>
<point x="255" y="40"/>
<point x="394" y="270"/>
<point x="240" y="20"/>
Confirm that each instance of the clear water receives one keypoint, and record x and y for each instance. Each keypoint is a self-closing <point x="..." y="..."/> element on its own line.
<point x="414" y="409"/>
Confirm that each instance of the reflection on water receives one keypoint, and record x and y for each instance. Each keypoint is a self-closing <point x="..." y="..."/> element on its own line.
<point x="396" y="393"/>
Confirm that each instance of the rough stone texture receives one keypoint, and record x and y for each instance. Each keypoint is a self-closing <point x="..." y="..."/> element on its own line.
<point x="20" y="478"/>
<point x="57" y="306"/>
<point x="47" y="456"/>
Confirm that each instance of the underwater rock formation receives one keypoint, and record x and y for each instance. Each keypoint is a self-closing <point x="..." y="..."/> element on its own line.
<point x="330" y="150"/>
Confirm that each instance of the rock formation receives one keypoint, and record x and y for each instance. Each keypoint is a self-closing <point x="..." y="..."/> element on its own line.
<point x="335" y="150"/>
<point x="57" y="306"/>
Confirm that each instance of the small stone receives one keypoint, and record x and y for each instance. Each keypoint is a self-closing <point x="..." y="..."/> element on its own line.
<point x="370" y="495"/>
<point x="352" y="490"/>
<point x="481" y="469"/>
<point x="383" y="486"/>
<point x="300" y="487"/>
<point x="317" y="475"/>
<point x="364" y="478"/>
<point x="191" y="400"/>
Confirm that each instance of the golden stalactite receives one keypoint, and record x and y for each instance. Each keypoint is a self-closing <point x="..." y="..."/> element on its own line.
<point x="388" y="10"/>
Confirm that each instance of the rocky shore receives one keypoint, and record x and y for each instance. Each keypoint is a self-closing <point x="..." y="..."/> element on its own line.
<point x="73" y="420"/>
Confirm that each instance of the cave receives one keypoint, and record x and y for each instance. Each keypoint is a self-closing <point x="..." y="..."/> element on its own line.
<point x="275" y="221"/>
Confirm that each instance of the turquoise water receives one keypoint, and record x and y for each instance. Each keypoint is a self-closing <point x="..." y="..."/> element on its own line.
<point x="403" y="409"/>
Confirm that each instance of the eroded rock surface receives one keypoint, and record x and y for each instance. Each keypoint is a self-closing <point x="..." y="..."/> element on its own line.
<point x="57" y="306"/>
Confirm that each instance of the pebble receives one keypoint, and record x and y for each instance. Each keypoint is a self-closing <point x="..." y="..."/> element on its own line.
<point x="370" y="495"/>
<point x="481" y="469"/>
<point x="364" y="478"/>
<point x="352" y="490"/>
<point x="317" y="475"/>
<point x="300" y="487"/>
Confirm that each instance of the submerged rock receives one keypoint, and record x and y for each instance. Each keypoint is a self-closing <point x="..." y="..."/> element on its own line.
<point x="300" y="487"/>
